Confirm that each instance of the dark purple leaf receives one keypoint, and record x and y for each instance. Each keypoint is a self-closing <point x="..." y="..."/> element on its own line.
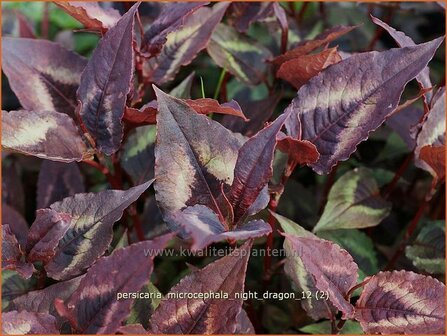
<point x="132" y="329"/>
<point x="333" y="268"/>
<point x="94" y="308"/>
<point x="42" y="74"/>
<point x="306" y="46"/>
<point x="182" y="46"/>
<point x="194" y="155"/>
<point x="244" y="325"/>
<point x="299" y="70"/>
<point x="205" y="227"/>
<point x="336" y="122"/>
<point x="12" y="186"/>
<point x="238" y="54"/>
<point x="403" y="40"/>
<point x="91" y="14"/>
<point x="258" y="112"/>
<point x="13" y="286"/>
<point x="404" y="122"/>
<point x="45" y="134"/>
<point x="17" y="224"/>
<point x="105" y="84"/>
<point x="248" y="12"/>
<point x="253" y="168"/>
<point x="74" y="232"/>
<point x="24" y="322"/>
<point x="171" y="18"/>
<point x="42" y="301"/>
<point x="57" y="181"/>
<point x="12" y="254"/>
<point x="205" y="316"/>
<point x="402" y="302"/>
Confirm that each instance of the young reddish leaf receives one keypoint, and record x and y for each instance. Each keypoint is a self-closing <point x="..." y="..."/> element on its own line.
<point x="333" y="268"/>
<point x="253" y="168"/>
<point x="42" y="74"/>
<point x="45" y="134"/>
<point x="305" y="47"/>
<point x="432" y="138"/>
<point x="91" y="14"/>
<point x="182" y="46"/>
<point x="205" y="316"/>
<point x="205" y="228"/>
<point x="208" y="105"/>
<point x="402" y="302"/>
<point x="17" y="224"/>
<point x="194" y="155"/>
<point x="57" y="181"/>
<point x="24" y="323"/>
<point x="42" y="301"/>
<point x="12" y="254"/>
<point x="354" y="201"/>
<point x="238" y="54"/>
<point x="80" y="231"/>
<point x="258" y="112"/>
<point x="337" y="122"/>
<point x="105" y="84"/>
<point x="299" y="70"/>
<point x="300" y="151"/>
<point x="434" y="156"/>
<point x="132" y="329"/>
<point x="171" y="18"/>
<point x="427" y="252"/>
<point x="93" y="308"/>
<point x="147" y="114"/>
<point x="403" y="40"/>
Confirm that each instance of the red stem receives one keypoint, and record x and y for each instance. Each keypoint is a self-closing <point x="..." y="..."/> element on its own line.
<point x="398" y="175"/>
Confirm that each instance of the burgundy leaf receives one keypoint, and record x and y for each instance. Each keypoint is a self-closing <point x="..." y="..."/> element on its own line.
<point x="336" y="122"/>
<point x="183" y="45"/>
<point x="57" y="181"/>
<point x="24" y="322"/>
<point x="74" y="232"/>
<point x="194" y="155"/>
<point x="147" y="114"/>
<point x="42" y="74"/>
<point x="253" y="168"/>
<point x="12" y="254"/>
<point x="171" y="18"/>
<point x="105" y="84"/>
<point x="91" y="14"/>
<point x="333" y="268"/>
<point x="205" y="316"/>
<point x="432" y="134"/>
<point x="434" y="156"/>
<point x="45" y="134"/>
<point x="93" y="308"/>
<point x="17" y="224"/>
<point x="42" y="301"/>
<point x="244" y="325"/>
<point x="258" y="112"/>
<point x="402" y="302"/>
<point x="403" y="123"/>
<point x="299" y="70"/>
<point x="132" y="329"/>
<point x="205" y="228"/>
<point x="300" y="151"/>
<point x="12" y="186"/>
<point x="305" y="47"/>
<point x="403" y="40"/>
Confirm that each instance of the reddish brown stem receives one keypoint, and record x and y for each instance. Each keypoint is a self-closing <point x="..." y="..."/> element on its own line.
<point x="403" y="167"/>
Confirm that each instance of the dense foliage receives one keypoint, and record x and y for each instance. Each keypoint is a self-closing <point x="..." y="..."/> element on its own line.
<point x="158" y="157"/>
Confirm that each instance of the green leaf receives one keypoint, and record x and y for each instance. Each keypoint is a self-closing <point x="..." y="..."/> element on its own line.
<point x="354" y="202"/>
<point x="359" y="245"/>
<point x="143" y="308"/>
<point x="350" y="327"/>
<point x="238" y="54"/>
<point x="428" y="250"/>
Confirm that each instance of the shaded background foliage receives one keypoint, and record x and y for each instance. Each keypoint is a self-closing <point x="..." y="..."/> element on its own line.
<point x="306" y="193"/>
